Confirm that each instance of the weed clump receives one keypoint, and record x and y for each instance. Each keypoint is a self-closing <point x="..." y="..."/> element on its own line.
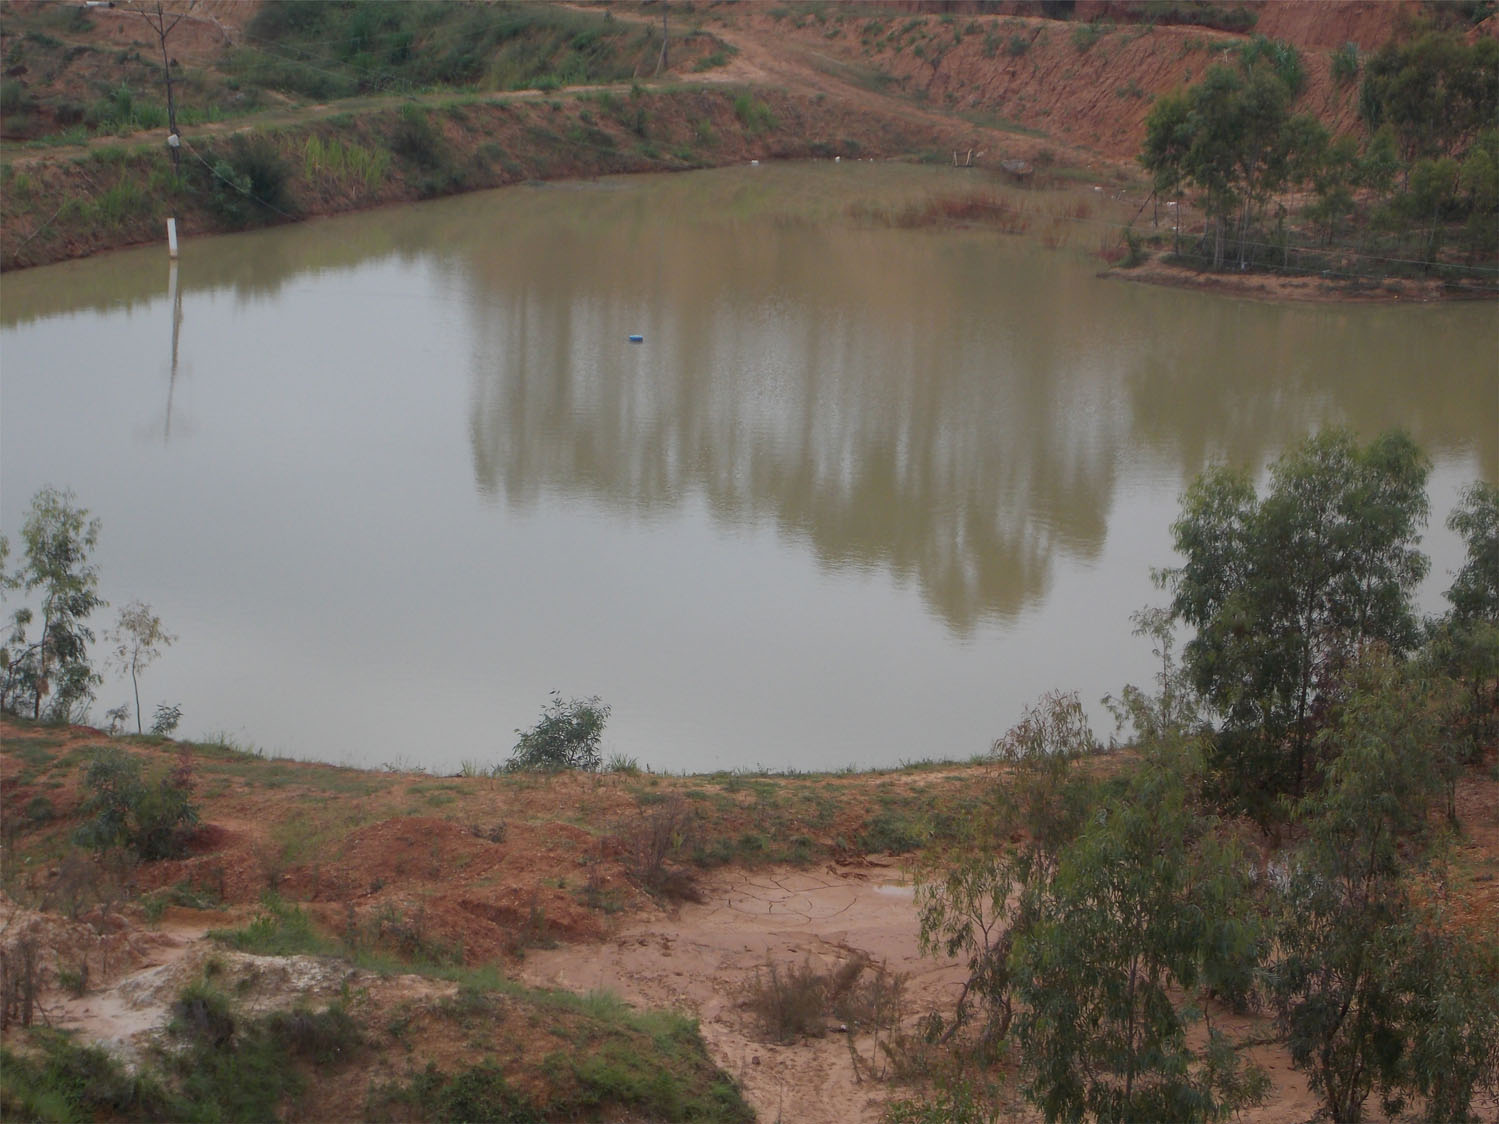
<point x="650" y="844"/>
<point x="799" y="1001"/>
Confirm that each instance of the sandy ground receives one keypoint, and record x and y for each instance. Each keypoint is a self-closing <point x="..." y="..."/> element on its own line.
<point x="705" y="958"/>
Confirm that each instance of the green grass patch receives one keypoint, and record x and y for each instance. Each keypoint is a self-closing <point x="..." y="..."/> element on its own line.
<point x="619" y="1063"/>
<point x="281" y="929"/>
<point x="57" y="1079"/>
<point x="754" y="115"/>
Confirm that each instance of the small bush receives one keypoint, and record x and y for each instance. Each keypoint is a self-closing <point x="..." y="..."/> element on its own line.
<point x="414" y="140"/>
<point x="753" y="114"/>
<point x="1086" y="35"/>
<point x="892" y="833"/>
<point x="281" y="930"/>
<point x="248" y="183"/>
<point x="1345" y="64"/>
<point x="153" y="821"/>
<point x="202" y="1017"/>
<point x="1279" y="56"/>
<point x="65" y="1081"/>
<point x="14" y="98"/>
<point x="322" y="1037"/>
<point x="567" y="736"/>
<point x="957" y="1103"/>
<point x="789" y="1001"/>
<point x="237" y="1066"/>
<point x="166" y="720"/>
<point x="652" y="841"/>
<point x="480" y="1092"/>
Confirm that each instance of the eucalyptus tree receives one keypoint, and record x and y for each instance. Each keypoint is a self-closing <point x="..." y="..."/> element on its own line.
<point x="57" y="540"/>
<point x="1437" y="92"/>
<point x="1150" y="909"/>
<point x="1233" y="137"/>
<point x="1463" y="646"/>
<point x="1474" y="593"/>
<point x="1373" y="988"/>
<point x="1284" y="591"/>
<point x="977" y="893"/>
<point x="138" y="639"/>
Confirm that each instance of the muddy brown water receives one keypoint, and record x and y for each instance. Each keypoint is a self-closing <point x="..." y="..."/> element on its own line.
<point x="860" y="494"/>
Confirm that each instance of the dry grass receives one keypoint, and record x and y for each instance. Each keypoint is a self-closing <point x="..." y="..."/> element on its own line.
<point x="796" y="1001"/>
<point x="975" y="209"/>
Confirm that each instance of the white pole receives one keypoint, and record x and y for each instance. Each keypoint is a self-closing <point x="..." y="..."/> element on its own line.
<point x="171" y="238"/>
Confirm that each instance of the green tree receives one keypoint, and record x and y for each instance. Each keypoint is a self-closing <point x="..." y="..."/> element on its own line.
<point x="1479" y="184"/>
<point x="1436" y="92"/>
<point x="1429" y="202"/>
<point x="1334" y="173"/>
<point x="1283" y="592"/>
<point x="1149" y="909"/>
<point x="1233" y="137"/>
<point x="975" y="895"/>
<point x="1475" y="590"/>
<point x="1464" y="645"/>
<point x="57" y="539"/>
<point x="1168" y="140"/>
<point x="1372" y="992"/>
<point x="567" y="736"/>
<point x="138" y="638"/>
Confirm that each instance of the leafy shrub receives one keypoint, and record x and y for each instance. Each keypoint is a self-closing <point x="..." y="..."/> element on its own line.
<point x="14" y="98"/>
<point x="202" y="1016"/>
<point x="248" y="183"/>
<point x="796" y="1001"/>
<point x="480" y="1092"/>
<point x="1085" y="35"/>
<point x="240" y="1067"/>
<point x="1281" y="57"/>
<point x="63" y="1080"/>
<point x="153" y="821"/>
<point x="753" y="114"/>
<point x="892" y="832"/>
<point x="567" y="736"/>
<point x="414" y="140"/>
<point x="1345" y="63"/>
<point x="165" y="722"/>
<point x="958" y="1103"/>
<point x="1199" y="13"/>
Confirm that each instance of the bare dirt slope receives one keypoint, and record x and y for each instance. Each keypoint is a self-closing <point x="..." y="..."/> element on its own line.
<point x="1056" y="83"/>
<point x="534" y="875"/>
<point x="955" y="78"/>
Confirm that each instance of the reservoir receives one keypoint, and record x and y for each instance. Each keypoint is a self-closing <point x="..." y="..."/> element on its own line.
<point x="863" y="489"/>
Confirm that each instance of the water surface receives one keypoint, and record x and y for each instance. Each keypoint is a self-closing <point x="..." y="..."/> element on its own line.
<point x="861" y="494"/>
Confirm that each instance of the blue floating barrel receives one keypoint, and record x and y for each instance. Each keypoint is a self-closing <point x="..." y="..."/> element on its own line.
<point x="637" y="339"/>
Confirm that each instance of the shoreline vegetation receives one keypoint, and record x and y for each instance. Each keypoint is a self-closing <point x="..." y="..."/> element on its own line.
<point x="304" y="111"/>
